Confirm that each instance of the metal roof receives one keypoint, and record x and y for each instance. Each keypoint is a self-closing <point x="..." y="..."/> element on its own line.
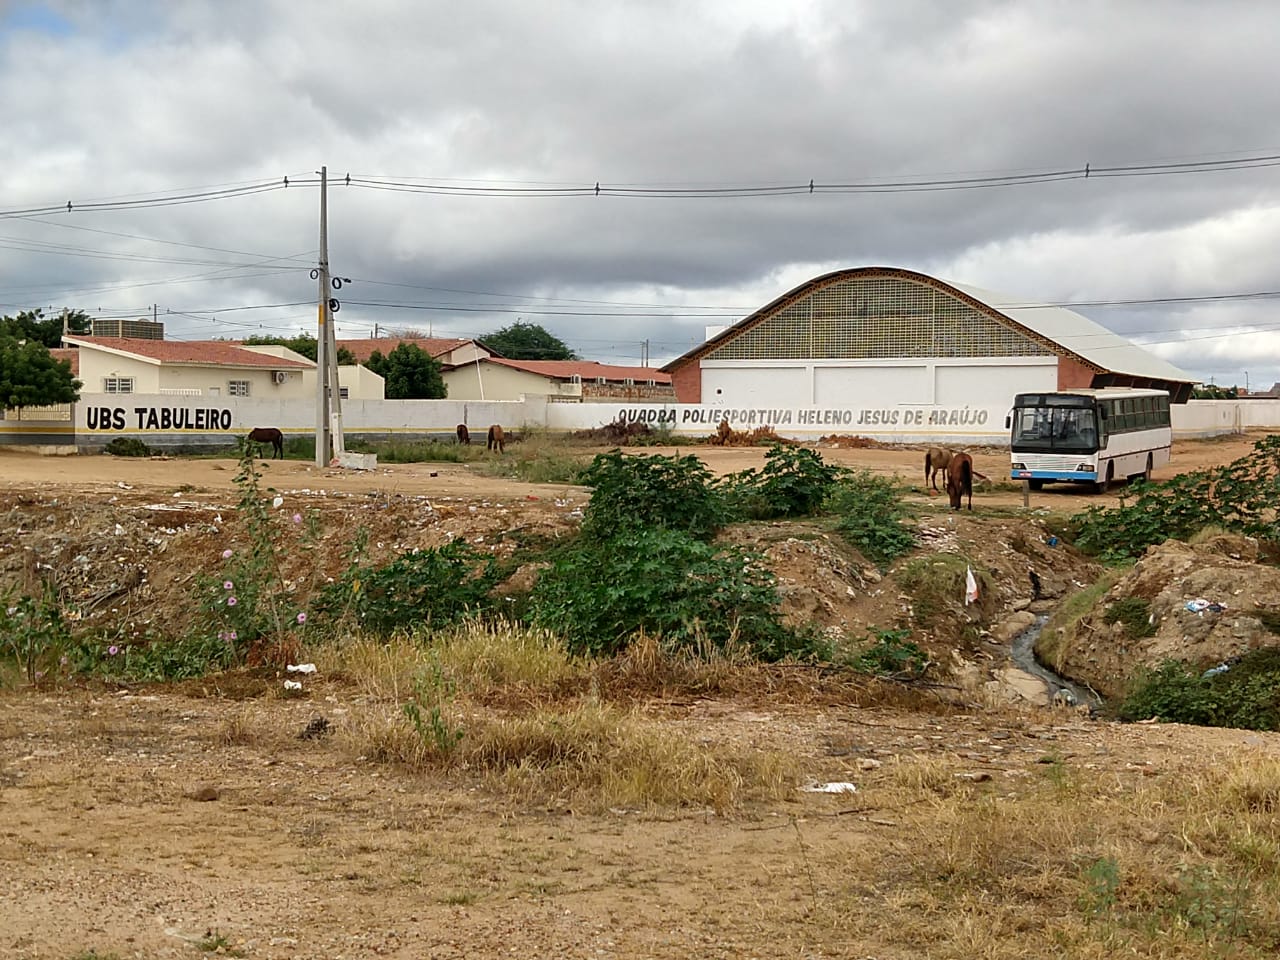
<point x="1070" y="332"/>
<point x="1082" y="336"/>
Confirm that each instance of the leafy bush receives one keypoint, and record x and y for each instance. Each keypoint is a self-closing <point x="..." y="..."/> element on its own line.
<point x="793" y="482"/>
<point x="871" y="515"/>
<point x="423" y="588"/>
<point x="1245" y="696"/>
<point x="127" y="447"/>
<point x="892" y="655"/>
<point x="663" y="582"/>
<point x="33" y="632"/>
<point x="651" y="492"/>
<point x="155" y="659"/>
<point x="1241" y="496"/>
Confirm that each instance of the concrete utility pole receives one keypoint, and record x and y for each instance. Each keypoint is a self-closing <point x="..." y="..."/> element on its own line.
<point x="321" y="274"/>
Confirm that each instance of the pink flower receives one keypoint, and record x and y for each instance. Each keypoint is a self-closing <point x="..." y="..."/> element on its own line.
<point x="226" y="554"/>
<point x="231" y="634"/>
<point x="302" y="618"/>
<point x="228" y="585"/>
<point x="112" y="650"/>
<point x="231" y="601"/>
<point x="297" y="518"/>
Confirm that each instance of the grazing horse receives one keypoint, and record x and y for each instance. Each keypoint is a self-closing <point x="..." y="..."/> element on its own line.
<point x="936" y="460"/>
<point x="464" y="435"/>
<point x="269" y="435"/>
<point x="960" y="474"/>
<point x="496" y="439"/>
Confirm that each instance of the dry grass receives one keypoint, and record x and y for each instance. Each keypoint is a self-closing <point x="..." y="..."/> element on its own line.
<point x="1068" y="863"/>
<point x="588" y="757"/>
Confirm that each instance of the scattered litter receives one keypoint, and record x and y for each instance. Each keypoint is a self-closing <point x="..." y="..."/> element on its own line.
<point x="301" y="668"/>
<point x="970" y="586"/>
<point x="293" y="685"/>
<point x="1214" y="671"/>
<point x="119" y="530"/>
<point x="1052" y="541"/>
<point x="1200" y="605"/>
<point x="278" y="502"/>
<point x="839" y="786"/>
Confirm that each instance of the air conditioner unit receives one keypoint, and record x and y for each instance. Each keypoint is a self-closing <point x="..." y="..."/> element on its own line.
<point x="279" y="376"/>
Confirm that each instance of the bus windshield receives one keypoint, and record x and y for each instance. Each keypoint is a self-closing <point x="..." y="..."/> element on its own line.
<point x="1054" y="428"/>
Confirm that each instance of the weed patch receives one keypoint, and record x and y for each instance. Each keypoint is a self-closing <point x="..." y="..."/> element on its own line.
<point x="870" y="516"/>
<point x="1247" y="695"/>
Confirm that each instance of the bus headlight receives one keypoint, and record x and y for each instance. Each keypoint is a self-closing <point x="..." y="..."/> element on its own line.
<point x="1019" y="466"/>
<point x="1085" y="467"/>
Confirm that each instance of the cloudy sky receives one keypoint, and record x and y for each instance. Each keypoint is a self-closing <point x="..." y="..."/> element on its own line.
<point x="468" y="129"/>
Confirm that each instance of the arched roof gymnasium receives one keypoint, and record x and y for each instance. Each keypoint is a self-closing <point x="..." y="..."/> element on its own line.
<point x="883" y="312"/>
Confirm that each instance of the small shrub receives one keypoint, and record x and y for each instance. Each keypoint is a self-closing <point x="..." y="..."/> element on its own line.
<point x="666" y="583"/>
<point x="425" y="710"/>
<point x="34" y="633"/>
<point x="127" y="447"/>
<point x="432" y="587"/>
<point x="892" y="655"/>
<point x="1135" y="614"/>
<point x="1102" y="887"/>
<point x="871" y="514"/>
<point x="248" y="599"/>
<point x="651" y="492"/>
<point x="793" y="482"/>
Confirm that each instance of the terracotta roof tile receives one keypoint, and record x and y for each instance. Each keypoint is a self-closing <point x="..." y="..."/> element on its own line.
<point x="70" y="354"/>
<point x="220" y="353"/>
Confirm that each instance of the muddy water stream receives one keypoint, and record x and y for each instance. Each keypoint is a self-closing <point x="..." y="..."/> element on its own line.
<point x="1024" y="658"/>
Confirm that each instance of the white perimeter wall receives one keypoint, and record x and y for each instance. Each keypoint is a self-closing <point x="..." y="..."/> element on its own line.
<point x="178" y="421"/>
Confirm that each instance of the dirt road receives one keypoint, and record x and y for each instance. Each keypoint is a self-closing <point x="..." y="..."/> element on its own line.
<point x="102" y="473"/>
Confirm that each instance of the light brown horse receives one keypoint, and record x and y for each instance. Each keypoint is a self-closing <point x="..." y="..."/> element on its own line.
<point x="936" y="460"/>
<point x="496" y="440"/>
<point x="960" y="474"/>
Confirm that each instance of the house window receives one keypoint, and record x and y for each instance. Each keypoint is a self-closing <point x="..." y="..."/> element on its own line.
<point x="344" y="393"/>
<point x="117" y="384"/>
<point x="629" y="382"/>
<point x="237" y="388"/>
<point x="575" y="378"/>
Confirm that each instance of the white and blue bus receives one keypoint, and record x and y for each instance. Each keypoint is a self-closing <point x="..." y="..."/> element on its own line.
<point x="1089" y="436"/>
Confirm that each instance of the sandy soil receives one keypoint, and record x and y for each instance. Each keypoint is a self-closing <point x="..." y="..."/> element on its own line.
<point x="101" y="473"/>
<point x="307" y="852"/>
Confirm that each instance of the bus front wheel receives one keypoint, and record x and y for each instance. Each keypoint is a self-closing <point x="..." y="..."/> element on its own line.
<point x="1036" y="484"/>
<point x="1103" y="485"/>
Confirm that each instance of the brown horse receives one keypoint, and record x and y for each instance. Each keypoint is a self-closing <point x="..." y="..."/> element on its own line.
<point x="269" y="435"/>
<point x="464" y="435"/>
<point x="960" y="474"/>
<point x="496" y="439"/>
<point x="936" y="460"/>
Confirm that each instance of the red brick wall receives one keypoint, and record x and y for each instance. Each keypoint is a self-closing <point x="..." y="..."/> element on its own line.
<point x="687" y="381"/>
<point x="1073" y="375"/>
<point x="638" y="393"/>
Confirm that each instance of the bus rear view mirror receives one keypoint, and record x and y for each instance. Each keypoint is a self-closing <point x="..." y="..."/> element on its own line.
<point x="1102" y="412"/>
<point x="1008" y="421"/>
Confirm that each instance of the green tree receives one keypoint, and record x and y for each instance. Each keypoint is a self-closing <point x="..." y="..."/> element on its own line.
<point x="410" y="373"/>
<point x="30" y="377"/>
<point x="303" y="344"/>
<point x="34" y="325"/>
<point x="527" y="341"/>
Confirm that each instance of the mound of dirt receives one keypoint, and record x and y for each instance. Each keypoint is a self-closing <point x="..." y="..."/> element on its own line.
<point x="845" y="442"/>
<point x="726" y="436"/>
<point x="1204" y="604"/>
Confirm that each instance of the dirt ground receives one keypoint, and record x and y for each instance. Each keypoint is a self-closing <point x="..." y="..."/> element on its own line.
<point x="134" y="822"/>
